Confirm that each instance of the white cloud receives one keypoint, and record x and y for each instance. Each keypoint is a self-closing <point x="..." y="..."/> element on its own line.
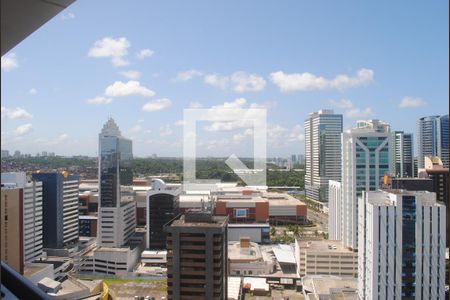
<point x="275" y="131"/>
<point x="15" y="113"/>
<point x="62" y="137"/>
<point x="296" y="134"/>
<point x="68" y="16"/>
<point x="266" y="105"/>
<point x="343" y="103"/>
<point x="244" y="82"/>
<point x="227" y="111"/>
<point x="117" y="49"/>
<point x="33" y="91"/>
<point x="140" y="121"/>
<point x="145" y="53"/>
<point x="9" y="62"/>
<point x="131" y="74"/>
<point x="131" y="88"/>
<point x="156" y="105"/>
<point x="217" y="81"/>
<point x="307" y="81"/>
<point x="165" y="130"/>
<point x="23" y="129"/>
<point x="411" y="102"/>
<point x="188" y="75"/>
<point x="99" y="100"/>
<point x="240" y="82"/>
<point x="351" y="111"/>
<point x="195" y="104"/>
<point x="356" y="113"/>
<point x="135" y="129"/>
<point x="237" y="103"/>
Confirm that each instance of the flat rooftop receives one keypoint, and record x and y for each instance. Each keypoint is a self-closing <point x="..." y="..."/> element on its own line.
<point x="252" y="253"/>
<point x="31" y="268"/>
<point x="323" y="246"/>
<point x="111" y="249"/>
<point x="216" y="222"/>
<point x="329" y="284"/>
<point x="281" y="199"/>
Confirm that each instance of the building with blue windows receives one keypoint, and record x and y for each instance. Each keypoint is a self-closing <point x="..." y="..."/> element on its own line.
<point x="60" y="209"/>
<point x="366" y="158"/>
<point x="323" y="150"/>
<point x="117" y="207"/>
<point x="403" y="160"/>
<point x="401" y="252"/>
<point x="433" y="139"/>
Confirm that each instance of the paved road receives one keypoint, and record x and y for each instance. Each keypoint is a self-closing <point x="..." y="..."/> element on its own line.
<point x="320" y="219"/>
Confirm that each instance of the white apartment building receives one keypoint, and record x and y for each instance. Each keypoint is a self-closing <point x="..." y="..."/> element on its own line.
<point x="403" y="157"/>
<point x="334" y="210"/>
<point x="322" y="152"/>
<point x="401" y="251"/>
<point x="116" y="224"/>
<point x="32" y="213"/>
<point x="70" y="211"/>
<point x="367" y="157"/>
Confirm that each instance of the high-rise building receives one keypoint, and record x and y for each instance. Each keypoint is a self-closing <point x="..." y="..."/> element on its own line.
<point x="323" y="148"/>
<point x="162" y="206"/>
<point x="197" y="256"/>
<point x="117" y="208"/>
<point x="439" y="176"/>
<point x="366" y="159"/>
<point x="31" y="213"/>
<point x="11" y="237"/>
<point x="433" y="139"/>
<point x="401" y="251"/>
<point x="335" y="210"/>
<point x="403" y="154"/>
<point x="60" y="208"/>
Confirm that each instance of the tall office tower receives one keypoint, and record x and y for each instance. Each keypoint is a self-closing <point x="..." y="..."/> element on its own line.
<point x="162" y="206"/>
<point x="60" y="208"/>
<point x="11" y="237"/>
<point x="366" y="159"/>
<point x="31" y="214"/>
<point x="401" y="246"/>
<point x="197" y="256"/>
<point x="433" y="139"/>
<point x="403" y="154"/>
<point x="335" y="210"/>
<point x="322" y="152"/>
<point x="117" y="208"/>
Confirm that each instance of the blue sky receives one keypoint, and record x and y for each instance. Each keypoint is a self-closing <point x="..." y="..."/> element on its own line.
<point x="143" y="62"/>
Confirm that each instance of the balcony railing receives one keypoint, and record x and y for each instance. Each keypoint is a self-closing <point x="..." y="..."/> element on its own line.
<point x="20" y="286"/>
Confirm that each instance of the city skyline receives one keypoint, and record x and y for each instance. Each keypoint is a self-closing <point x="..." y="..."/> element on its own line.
<point x="397" y="72"/>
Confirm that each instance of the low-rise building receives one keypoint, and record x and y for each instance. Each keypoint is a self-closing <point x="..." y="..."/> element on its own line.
<point x="329" y="287"/>
<point x="109" y="261"/>
<point x="325" y="257"/>
<point x="260" y="207"/>
<point x="246" y="258"/>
